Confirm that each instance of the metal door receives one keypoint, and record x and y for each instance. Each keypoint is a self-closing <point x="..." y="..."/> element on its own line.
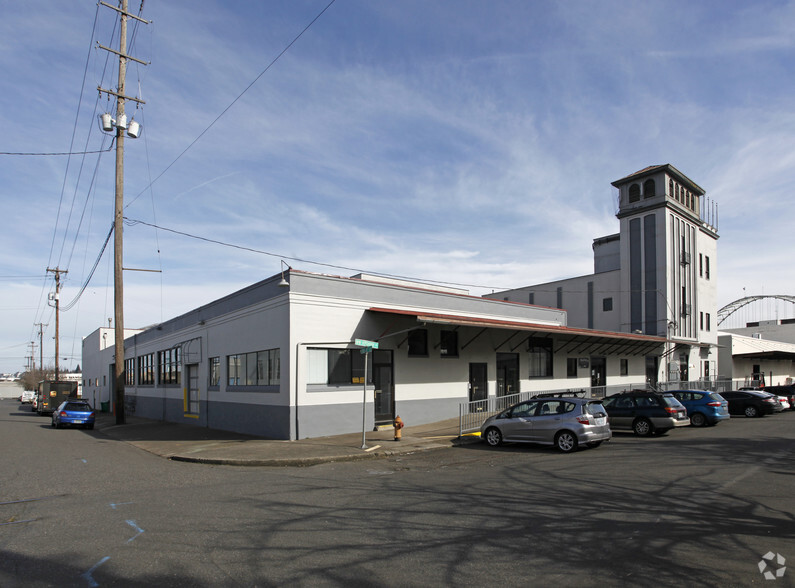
<point x="384" y="386"/>
<point x="478" y="383"/>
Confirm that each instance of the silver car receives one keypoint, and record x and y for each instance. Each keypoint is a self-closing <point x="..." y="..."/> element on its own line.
<point x="562" y="421"/>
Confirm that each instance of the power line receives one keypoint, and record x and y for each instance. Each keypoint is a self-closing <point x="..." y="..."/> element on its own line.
<point x="239" y="96"/>
<point x="133" y="222"/>
<point x="58" y="153"/>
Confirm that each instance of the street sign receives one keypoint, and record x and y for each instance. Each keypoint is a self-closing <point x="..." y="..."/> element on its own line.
<point x="366" y="343"/>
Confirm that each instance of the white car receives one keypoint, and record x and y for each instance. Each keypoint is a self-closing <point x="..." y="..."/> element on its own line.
<point x="28" y="396"/>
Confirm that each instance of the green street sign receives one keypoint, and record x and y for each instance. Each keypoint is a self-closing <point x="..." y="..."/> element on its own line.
<point x="366" y="343"/>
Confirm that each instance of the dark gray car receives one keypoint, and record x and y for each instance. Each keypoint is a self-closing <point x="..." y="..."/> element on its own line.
<point x="563" y="422"/>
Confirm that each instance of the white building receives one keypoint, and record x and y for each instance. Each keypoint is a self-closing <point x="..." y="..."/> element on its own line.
<point x="280" y="360"/>
<point x="762" y="352"/>
<point x="656" y="276"/>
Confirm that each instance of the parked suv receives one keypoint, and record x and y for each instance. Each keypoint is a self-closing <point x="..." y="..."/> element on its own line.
<point x="703" y="407"/>
<point x="645" y="413"/>
<point x="565" y="422"/>
<point x="751" y="403"/>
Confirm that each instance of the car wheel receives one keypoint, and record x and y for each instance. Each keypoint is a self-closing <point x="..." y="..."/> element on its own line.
<point x="698" y="420"/>
<point x="642" y="428"/>
<point x="566" y="441"/>
<point x="493" y="437"/>
<point x="750" y="411"/>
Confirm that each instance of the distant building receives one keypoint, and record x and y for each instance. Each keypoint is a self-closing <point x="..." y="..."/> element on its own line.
<point x="656" y="276"/>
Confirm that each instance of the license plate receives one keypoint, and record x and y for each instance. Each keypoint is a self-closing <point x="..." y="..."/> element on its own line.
<point x="78" y="421"/>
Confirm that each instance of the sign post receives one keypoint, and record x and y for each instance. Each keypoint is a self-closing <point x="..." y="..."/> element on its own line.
<point x="366" y="348"/>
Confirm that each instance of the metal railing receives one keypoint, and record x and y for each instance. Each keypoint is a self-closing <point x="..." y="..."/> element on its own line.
<point x="473" y="414"/>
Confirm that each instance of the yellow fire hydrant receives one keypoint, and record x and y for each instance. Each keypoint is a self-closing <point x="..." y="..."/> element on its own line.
<point x="398" y="426"/>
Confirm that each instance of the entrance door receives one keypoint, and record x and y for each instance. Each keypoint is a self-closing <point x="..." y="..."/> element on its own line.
<point x="507" y="374"/>
<point x="598" y="376"/>
<point x="384" y="386"/>
<point x="192" y="390"/>
<point x="651" y="370"/>
<point x="478" y="382"/>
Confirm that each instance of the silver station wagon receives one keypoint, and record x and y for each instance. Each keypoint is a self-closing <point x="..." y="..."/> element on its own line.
<point x="561" y="421"/>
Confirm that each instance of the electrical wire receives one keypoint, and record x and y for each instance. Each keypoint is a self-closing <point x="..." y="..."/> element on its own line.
<point x="239" y="96"/>
<point x="133" y="222"/>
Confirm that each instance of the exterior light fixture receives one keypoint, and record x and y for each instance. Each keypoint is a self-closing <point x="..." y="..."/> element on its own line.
<point x="107" y="123"/>
<point x="284" y="283"/>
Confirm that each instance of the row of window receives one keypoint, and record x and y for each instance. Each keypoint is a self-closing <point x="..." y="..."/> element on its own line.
<point x="259" y="368"/>
<point x="675" y="191"/>
<point x="256" y="368"/>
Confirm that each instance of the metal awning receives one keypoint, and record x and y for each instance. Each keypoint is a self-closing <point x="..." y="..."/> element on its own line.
<point x="569" y="339"/>
<point x="773" y="354"/>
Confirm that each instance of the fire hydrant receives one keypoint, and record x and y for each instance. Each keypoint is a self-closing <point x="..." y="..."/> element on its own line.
<point x="398" y="426"/>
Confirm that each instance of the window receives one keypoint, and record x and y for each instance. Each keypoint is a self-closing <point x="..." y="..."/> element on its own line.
<point x="418" y="343"/>
<point x="649" y="188"/>
<point x="560" y="297"/>
<point x="531" y="298"/>
<point x="257" y="368"/>
<point x="701" y="320"/>
<point x="129" y="371"/>
<point x="337" y="367"/>
<point x="671" y="188"/>
<point x="169" y="363"/>
<point x="146" y="369"/>
<point x="701" y="264"/>
<point x="624" y="367"/>
<point x="634" y="193"/>
<point x="540" y="352"/>
<point x="449" y="344"/>
<point x="607" y="304"/>
<point x="706" y="267"/>
<point x="215" y="372"/>
<point x="571" y="367"/>
<point x="706" y="322"/>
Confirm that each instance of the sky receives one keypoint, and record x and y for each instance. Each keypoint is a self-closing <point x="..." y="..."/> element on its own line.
<point x="468" y="142"/>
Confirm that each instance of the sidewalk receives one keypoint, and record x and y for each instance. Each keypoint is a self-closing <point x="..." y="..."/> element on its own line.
<point x="209" y="446"/>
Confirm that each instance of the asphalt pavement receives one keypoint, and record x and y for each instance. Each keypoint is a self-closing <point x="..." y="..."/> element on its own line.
<point x="209" y="446"/>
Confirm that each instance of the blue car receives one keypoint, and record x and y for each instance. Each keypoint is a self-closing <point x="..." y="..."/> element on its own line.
<point x="703" y="407"/>
<point x="74" y="412"/>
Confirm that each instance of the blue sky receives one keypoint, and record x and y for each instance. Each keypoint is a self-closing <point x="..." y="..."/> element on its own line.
<point x="469" y="142"/>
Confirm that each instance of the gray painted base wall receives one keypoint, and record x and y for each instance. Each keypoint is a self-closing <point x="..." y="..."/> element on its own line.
<point x="274" y="422"/>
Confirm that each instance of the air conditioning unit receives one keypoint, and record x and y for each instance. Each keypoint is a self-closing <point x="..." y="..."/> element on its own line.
<point x="685" y="258"/>
<point x="686" y="310"/>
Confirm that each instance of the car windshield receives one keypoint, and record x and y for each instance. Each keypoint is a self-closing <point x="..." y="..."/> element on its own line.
<point x="77" y="407"/>
<point x="595" y="409"/>
<point x="669" y="400"/>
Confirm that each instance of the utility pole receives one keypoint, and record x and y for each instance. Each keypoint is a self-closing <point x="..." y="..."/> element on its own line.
<point x="56" y="297"/>
<point x="118" y="280"/>
<point x="41" y="346"/>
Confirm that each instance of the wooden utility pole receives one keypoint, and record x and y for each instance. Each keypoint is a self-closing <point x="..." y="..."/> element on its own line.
<point x="57" y="297"/>
<point x="41" y="345"/>
<point x="118" y="218"/>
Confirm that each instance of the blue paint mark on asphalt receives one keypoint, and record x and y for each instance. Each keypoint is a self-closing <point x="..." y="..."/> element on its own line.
<point x="113" y="505"/>
<point x="84" y="461"/>
<point x="91" y="581"/>
<point x="137" y="528"/>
